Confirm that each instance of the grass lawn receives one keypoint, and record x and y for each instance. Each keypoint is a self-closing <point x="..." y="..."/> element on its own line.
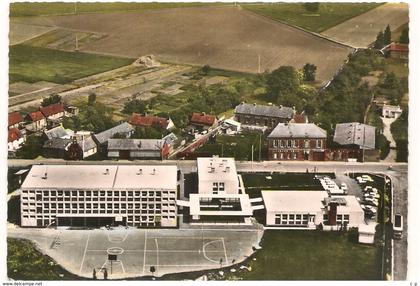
<point x="237" y="146"/>
<point x="312" y="255"/>
<point x="397" y="66"/>
<point x="255" y="182"/>
<point x="25" y="262"/>
<point x="53" y="8"/>
<point x="328" y="15"/>
<point x="32" y="64"/>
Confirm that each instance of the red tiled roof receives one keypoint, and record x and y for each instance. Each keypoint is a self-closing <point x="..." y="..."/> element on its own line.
<point x="14" y="134"/>
<point x="139" y="120"/>
<point x="15" y="117"/>
<point x="398" y="47"/>
<point x="36" y="116"/>
<point x="52" y="109"/>
<point x="299" y="118"/>
<point x="202" y="118"/>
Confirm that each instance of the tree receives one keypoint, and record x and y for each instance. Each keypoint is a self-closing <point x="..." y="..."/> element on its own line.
<point x="31" y="149"/>
<point x="379" y="42"/>
<point x="54" y="98"/>
<point x="404" y="37"/>
<point x="309" y="71"/>
<point x="387" y="36"/>
<point x="311" y="6"/>
<point x="282" y="83"/>
<point x="135" y="105"/>
<point x="91" y="98"/>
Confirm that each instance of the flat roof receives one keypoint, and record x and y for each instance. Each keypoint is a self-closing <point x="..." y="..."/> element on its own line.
<point x="101" y="177"/>
<point x="216" y="169"/>
<point x="352" y="204"/>
<point x="293" y="201"/>
<point x="246" y="208"/>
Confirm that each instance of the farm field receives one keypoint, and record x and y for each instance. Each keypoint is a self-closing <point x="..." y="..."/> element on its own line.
<point x="20" y="33"/>
<point x="225" y="37"/>
<point x="33" y="64"/>
<point x="55" y="8"/>
<point x="328" y="15"/>
<point x="362" y="30"/>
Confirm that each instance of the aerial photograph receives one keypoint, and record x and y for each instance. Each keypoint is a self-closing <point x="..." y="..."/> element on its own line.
<point x="207" y="141"/>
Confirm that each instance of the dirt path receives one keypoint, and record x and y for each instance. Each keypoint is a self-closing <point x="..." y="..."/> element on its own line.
<point x="392" y="156"/>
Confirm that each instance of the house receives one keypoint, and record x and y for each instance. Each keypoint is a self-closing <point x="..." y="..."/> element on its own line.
<point x="148" y="121"/>
<point x="297" y="141"/>
<point x="58" y="132"/>
<point x="355" y="135"/>
<point x="391" y="111"/>
<point x="71" y="111"/>
<point x="15" y="120"/>
<point x="231" y="127"/>
<point x="309" y="209"/>
<point x="86" y="143"/>
<point x="396" y="51"/>
<point x="254" y="116"/>
<point x="355" y="141"/>
<point x="203" y="120"/>
<point x="221" y="197"/>
<point x="69" y="195"/>
<point x="53" y="111"/>
<point x="36" y="121"/>
<point x="170" y="140"/>
<point x="15" y="139"/>
<point x="56" y="147"/>
<point x="124" y="129"/>
<point x="137" y="149"/>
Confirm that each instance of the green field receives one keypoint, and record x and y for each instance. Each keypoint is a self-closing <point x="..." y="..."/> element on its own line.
<point x="328" y="15"/>
<point x="25" y="262"/>
<point x="57" y="8"/>
<point x="237" y="146"/>
<point x="303" y="255"/>
<point x="32" y="64"/>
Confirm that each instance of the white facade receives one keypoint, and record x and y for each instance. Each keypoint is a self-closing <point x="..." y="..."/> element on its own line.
<point x="307" y="209"/>
<point x="82" y="195"/>
<point x="217" y="175"/>
<point x="391" y="111"/>
<point x="16" y="144"/>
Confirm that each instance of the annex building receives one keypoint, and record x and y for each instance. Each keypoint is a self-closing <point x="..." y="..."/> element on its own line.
<point x="99" y="195"/>
<point x="309" y="209"/>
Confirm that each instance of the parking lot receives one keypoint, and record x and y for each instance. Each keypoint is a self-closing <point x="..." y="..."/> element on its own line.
<point x="143" y="252"/>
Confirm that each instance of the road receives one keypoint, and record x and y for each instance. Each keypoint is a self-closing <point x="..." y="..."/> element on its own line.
<point x="398" y="175"/>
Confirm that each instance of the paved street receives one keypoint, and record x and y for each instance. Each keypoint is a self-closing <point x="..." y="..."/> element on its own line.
<point x="398" y="174"/>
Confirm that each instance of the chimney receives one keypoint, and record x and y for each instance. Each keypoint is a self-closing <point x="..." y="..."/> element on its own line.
<point x="332" y="213"/>
<point x="140" y="172"/>
<point x="154" y="171"/>
<point x="106" y="172"/>
<point x="227" y="170"/>
<point x="45" y="176"/>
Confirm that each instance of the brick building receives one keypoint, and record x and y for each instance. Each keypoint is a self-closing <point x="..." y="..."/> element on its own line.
<point x="262" y="115"/>
<point x="297" y="141"/>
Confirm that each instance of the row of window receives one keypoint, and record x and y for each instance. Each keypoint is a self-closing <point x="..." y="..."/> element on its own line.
<point x="218" y="187"/>
<point x="293" y="219"/>
<point x="84" y="193"/>
<point x="294" y="143"/>
<point x="129" y="218"/>
<point x="288" y="155"/>
<point x="95" y="199"/>
<point x="340" y="219"/>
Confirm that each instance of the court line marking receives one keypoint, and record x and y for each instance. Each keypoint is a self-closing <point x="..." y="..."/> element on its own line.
<point x="184" y="265"/>
<point x="116" y="261"/>
<point x="183" y="237"/>
<point x="84" y="254"/>
<point x="160" y="250"/>
<point x="157" y="255"/>
<point x="204" y="251"/>
<point x="224" y="248"/>
<point x="145" y="249"/>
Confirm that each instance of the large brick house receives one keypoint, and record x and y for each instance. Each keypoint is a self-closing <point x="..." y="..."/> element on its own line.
<point x="262" y="115"/>
<point x="297" y="141"/>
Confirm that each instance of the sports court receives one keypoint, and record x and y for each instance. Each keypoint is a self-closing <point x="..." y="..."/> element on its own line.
<point x="137" y="252"/>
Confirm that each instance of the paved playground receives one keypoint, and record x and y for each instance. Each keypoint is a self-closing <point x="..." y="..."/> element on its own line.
<point x="140" y="251"/>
